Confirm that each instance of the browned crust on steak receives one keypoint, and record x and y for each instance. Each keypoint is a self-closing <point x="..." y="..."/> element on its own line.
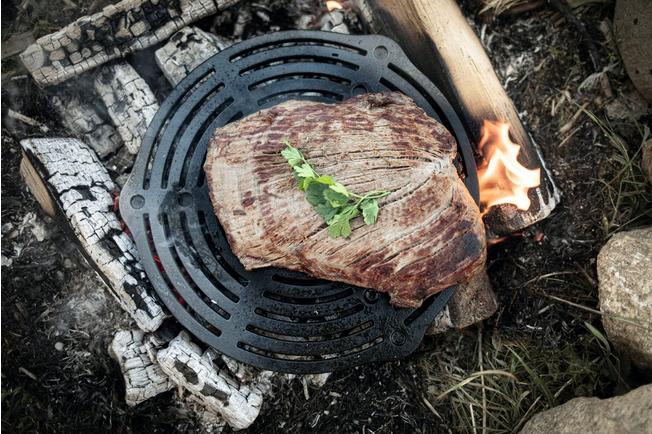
<point x="429" y="234"/>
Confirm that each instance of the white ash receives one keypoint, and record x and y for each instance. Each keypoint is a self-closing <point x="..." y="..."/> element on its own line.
<point x="129" y="102"/>
<point x="187" y="49"/>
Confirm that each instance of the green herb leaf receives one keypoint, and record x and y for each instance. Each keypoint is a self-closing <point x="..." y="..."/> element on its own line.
<point x="293" y="155"/>
<point x="305" y="171"/>
<point x="315" y="193"/>
<point x="339" y="188"/>
<point x="334" y="198"/>
<point x="339" y="225"/>
<point x="326" y="211"/>
<point x="330" y="199"/>
<point x="370" y="210"/>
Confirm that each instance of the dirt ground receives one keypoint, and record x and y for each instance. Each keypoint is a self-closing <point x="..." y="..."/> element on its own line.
<point x="545" y="345"/>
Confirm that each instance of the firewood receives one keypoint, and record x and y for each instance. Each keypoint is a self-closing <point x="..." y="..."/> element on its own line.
<point x="185" y="50"/>
<point x="80" y="114"/>
<point x="129" y="102"/>
<point x="471" y="303"/>
<point x="116" y="31"/>
<point x="135" y="353"/>
<point x="83" y="192"/>
<point x="188" y="366"/>
<point x="440" y="42"/>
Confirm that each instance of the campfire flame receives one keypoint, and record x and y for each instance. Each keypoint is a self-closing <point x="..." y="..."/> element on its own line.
<point x="331" y="5"/>
<point x="501" y="177"/>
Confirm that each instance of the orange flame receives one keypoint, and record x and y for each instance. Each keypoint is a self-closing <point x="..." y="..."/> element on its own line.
<point x="501" y="177"/>
<point x="331" y="5"/>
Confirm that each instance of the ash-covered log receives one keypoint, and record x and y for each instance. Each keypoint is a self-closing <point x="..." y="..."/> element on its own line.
<point x="75" y="185"/>
<point x="440" y="42"/>
<point x="116" y="31"/>
<point x="130" y="102"/>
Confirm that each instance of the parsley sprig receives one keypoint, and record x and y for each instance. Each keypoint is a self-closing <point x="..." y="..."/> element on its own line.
<point x="330" y="199"/>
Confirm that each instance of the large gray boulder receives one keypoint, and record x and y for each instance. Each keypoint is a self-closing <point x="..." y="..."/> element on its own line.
<point x="630" y="413"/>
<point x="625" y="285"/>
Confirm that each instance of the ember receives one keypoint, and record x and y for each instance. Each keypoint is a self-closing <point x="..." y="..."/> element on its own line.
<point x="501" y="177"/>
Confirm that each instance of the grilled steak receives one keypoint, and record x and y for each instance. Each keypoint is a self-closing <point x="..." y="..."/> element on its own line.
<point x="429" y="234"/>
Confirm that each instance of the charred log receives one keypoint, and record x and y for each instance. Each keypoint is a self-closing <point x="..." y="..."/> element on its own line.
<point x="82" y="193"/>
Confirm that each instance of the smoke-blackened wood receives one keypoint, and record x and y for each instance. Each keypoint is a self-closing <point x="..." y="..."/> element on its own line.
<point x="472" y="302"/>
<point x="116" y="31"/>
<point x="187" y="49"/>
<point x="440" y="42"/>
<point x="129" y="102"/>
<point x="84" y="193"/>
<point x="82" y="114"/>
<point x="238" y="403"/>
<point x="135" y="352"/>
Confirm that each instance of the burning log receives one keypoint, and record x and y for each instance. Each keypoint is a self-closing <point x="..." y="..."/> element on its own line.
<point x="440" y="42"/>
<point x="185" y="50"/>
<point x="114" y="32"/>
<point x="135" y="352"/>
<point x="71" y="181"/>
<point x="235" y="402"/>
<point x="129" y="102"/>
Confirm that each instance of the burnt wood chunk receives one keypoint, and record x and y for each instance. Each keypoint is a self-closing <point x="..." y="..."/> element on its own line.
<point x="135" y="353"/>
<point x="187" y="49"/>
<point x="234" y="400"/>
<point x="116" y="31"/>
<point x="83" y="193"/>
<point x="429" y="234"/>
<point x="437" y="38"/>
<point x="82" y="113"/>
<point x="129" y="101"/>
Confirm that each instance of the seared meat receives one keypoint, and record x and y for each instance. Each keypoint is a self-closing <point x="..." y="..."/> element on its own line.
<point x="429" y="234"/>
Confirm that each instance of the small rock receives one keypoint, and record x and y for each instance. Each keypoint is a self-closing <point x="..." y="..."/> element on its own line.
<point x="630" y="413"/>
<point x="58" y="346"/>
<point x="67" y="263"/>
<point x="625" y="286"/>
<point x="646" y="164"/>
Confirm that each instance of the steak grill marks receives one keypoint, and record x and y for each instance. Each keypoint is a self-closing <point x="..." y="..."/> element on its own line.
<point x="270" y="318"/>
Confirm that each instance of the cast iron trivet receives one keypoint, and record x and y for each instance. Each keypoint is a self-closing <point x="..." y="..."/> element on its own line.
<point x="270" y="318"/>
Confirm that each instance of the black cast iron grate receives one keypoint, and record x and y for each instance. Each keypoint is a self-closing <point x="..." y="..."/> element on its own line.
<point x="270" y="318"/>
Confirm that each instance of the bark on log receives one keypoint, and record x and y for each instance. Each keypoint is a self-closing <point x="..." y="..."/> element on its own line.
<point x="186" y="50"/>
<point x="116" y="31"/>
<point x="135" y="352"/>
<point x="129" y="102"/>
<point x="440" y="42"/>
<point x="237" y="403"/>
<point x="83" y="192"/>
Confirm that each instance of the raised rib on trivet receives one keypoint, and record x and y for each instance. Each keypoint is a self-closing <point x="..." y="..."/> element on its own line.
<point x="429" y="234"/>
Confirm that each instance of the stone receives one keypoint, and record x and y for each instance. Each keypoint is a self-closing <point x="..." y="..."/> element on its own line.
<point x="633" y="33"/>
<point x="625" y="287"/>
<point x="630" y="413"/>
<point x="646" y="163"/>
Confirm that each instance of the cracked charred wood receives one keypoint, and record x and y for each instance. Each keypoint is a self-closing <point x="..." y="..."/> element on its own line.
<point x="237" y="403"/>
<point x="187" y="49"/>
<point x="81" y="191"/>
<point x="86" y="119"/>
<point x="135" y="353"/>
<point x="128" y="100"/>
<point x="441" y="43"/>
<point x="116" y="31"/>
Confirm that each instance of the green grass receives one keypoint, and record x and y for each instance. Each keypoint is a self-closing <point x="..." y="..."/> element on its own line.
<point x="625" y="187"/>
<point x="510" y="380"/>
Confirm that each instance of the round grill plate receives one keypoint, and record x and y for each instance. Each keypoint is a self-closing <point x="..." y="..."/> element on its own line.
<point x="270" y="318"/>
